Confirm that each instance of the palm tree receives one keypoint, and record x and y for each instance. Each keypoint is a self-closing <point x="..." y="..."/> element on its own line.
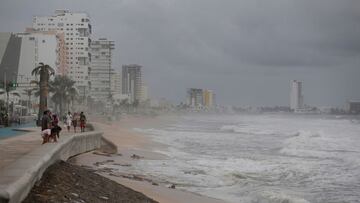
<point x="71" y="94"/>
<point x="44" y="71"/>
<point x="63" y="91"/>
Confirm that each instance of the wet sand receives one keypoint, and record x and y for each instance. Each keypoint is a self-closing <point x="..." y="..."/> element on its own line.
<point x="133" y="146"/>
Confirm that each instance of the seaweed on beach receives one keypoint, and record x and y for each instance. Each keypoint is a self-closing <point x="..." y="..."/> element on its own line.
<point x="64" y="182"/>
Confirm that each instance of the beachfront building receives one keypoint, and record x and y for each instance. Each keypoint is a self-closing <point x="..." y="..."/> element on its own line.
<point x="353" y="107"/>
<point x="116" y="83"/>
<point x="200" y="98"/>
<point x="38" y="47"/>
<point x="76" y="30"/>
<point x="10" y="46"/>
<point x="144" y="93"/>
<point x="21" y="53"/>
<point x="101" y="73"/>
<point x="195" y="97"/>
<point x="296" y="96"/>
<point x="208" y="98"/>
<point x="132" y="82"/>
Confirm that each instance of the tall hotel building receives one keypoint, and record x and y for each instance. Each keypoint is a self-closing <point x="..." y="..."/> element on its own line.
<point x="76" y="30"/>
<point x="195" y="97"/>
<point x="208" y="98"/>
<point x="200" y="98"/>
<point x="296" y="96"/>
<point x="101" y="74"/>
<point x="131" y="82"/>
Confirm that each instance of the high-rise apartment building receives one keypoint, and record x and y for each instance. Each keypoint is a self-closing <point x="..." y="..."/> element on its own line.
<point x="296" y="96"/>
<point x="131" y="81"/>
<point x="76" y="30"/>
<point x="38" y="47"/>
<point x="208" y="98"/>
<point x="116" y="83"/>
<point x="10" y="47"/>
<point x="101" y="72"/>
<point x="200" y="98"/>
<point x="144" y="93"/>
<point x="20" y="53"/>
<point x="195" y="97"/>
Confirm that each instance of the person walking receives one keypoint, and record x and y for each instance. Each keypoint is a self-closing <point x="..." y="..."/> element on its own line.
<point x="75" y="119"/>
<point x="82" y="121"/>
<point x="56" y="128"/>
<point x="46" y="126"/>
<point x="68" y="121"/>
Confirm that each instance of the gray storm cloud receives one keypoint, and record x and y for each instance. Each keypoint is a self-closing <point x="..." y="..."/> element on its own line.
<point x="245" y="50"/>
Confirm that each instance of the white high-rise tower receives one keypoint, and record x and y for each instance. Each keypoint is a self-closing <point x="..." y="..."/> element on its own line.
<point x="296" y="96"/>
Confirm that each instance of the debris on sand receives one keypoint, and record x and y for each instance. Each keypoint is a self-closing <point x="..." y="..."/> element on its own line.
<point x="172" y="186"/>
<point x="125" y="165"/>
<point x="134" y="156"/>
<point x="103" y="162"/>
<point x="77" y="184"/>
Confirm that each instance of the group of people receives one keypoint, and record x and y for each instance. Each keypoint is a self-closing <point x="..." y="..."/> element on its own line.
<point x="74" y="119"/>
<point x="50" y="129"/>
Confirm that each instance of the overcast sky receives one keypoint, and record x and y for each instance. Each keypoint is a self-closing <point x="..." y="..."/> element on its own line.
<point x="247" y="51"/>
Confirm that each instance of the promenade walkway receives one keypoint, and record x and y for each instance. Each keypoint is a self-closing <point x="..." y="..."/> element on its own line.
<point x="13" y="148"/>
<point x="23" y="158"/>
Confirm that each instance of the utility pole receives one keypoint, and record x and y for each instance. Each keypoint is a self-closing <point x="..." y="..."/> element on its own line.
<point x="7" y="98"/>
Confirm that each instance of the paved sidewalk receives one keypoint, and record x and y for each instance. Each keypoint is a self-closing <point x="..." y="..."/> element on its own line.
<point x="13" y="148"/>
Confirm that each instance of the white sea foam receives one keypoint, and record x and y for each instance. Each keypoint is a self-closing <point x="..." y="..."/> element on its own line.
<point x="260" y="158"/>
<point x="276" y="197"/>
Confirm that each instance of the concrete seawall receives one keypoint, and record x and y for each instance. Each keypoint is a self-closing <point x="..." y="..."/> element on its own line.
<point x="17" y="179"/>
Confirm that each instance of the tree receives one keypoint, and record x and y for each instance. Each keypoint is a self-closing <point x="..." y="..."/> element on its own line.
<point x="71" y="95"/>
<point x="63" y="91"/>
<point x="44" y="71"/>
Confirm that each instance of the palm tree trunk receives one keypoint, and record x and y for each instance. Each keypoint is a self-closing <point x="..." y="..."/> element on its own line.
<point x="44" y="89"/>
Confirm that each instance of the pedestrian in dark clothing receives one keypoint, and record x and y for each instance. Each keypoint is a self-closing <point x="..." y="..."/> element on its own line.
<point x="55" y="126"/>
<point x="46" y="126"/>
<point x="75" y="119"/>
<point x="82" y="121"/>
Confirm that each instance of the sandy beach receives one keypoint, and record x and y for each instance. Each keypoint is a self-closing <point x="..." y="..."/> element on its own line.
<point x="133" y="146"/>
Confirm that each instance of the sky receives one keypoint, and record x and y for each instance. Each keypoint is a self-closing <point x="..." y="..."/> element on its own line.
<point x="246" y="51"/>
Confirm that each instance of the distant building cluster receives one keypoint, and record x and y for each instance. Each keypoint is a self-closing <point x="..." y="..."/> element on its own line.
<point x="200" y="98"/>
<point x="64" y="42"/>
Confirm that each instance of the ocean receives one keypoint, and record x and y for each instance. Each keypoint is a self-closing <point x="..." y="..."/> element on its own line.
<point x="261" y="158"/>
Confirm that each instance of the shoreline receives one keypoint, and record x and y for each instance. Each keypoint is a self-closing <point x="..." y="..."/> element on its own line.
<point x="133" y="146"/>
